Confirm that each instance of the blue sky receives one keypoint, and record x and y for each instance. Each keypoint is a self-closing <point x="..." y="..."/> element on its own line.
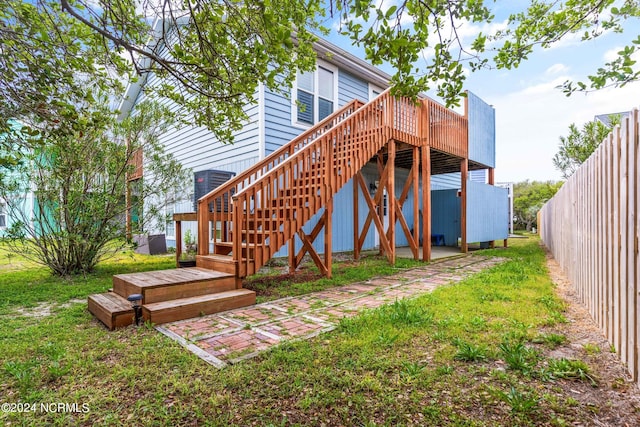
<point x="531" y="113"/>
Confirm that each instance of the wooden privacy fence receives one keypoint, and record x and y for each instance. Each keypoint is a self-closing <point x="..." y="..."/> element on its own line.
<point x="591" y="228"/>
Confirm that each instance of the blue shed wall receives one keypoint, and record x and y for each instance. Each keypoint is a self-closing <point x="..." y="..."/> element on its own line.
<point x="487" y="212"/>
<point x="482" y="131"/>
<point x="445" y="215"/>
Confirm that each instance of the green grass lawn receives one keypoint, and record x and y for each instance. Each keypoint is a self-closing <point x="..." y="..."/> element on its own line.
<point x="429" y="361"/>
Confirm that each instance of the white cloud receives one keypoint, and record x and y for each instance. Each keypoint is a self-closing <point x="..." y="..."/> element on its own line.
<point x="530" y="121"/>
<point x="556" y="69"/>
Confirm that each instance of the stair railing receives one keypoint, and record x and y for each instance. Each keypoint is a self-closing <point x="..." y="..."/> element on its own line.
<point x="215" y="206"/>
<point x="284" y="198"/>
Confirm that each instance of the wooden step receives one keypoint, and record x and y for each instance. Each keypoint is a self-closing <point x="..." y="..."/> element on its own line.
<point x="293" y="202"/>
<point x="187" y="308"/>
<point x="111" y="309"/>
<point x="255" y="236"/>
<point x="225" y="248"/>
<point x="225" y="263"/>
<point x="266" y="225"/>
<point x="165" y="285"/>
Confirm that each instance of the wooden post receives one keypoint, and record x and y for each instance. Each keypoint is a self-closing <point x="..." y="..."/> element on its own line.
<point x="356" y="225"/>
<point x="292" y="254"/>
<point x="416" y="208"/>
<point x="491" y="177"/>
<point x="328" y="236"/>
<point x="426" y="203"/>
<point x="464" y="168"/>
<point x="127" y="197"/>
<point x="380" y="206"/>
<point x="391" y="199"/>
<point x="178" y="241"/>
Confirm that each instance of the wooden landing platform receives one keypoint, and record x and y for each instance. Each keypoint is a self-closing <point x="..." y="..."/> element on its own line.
<point x="170" y="295"/>
<point x="165" y="285"/>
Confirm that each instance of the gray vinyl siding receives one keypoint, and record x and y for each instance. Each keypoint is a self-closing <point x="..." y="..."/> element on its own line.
<point x="278" y="129"/>
<point x="351" y="87"/>
<point x="197" y="149"/>
<point x="445" y="181"/>
<point x="488" y="213"/>
<point x="482" y="131"/>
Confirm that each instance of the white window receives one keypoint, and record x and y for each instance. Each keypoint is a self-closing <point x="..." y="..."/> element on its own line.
<point x="374" y="91"/>
<point x="315" y="95"/>
<point x="3" y="215"/>
<point x="170" y="226"/>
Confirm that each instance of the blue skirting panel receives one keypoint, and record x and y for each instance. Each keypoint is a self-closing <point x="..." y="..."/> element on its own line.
<point x="487" y="212"/>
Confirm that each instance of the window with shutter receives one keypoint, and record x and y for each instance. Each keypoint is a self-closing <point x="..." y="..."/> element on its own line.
<point x="315" y="95"/>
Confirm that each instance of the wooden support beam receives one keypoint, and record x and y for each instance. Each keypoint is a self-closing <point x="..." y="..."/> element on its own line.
<point x="399" y="203"/>
<point x="356" y="225"/>
<point x="492" y="181"/>
<point x="311" y="237"/>
<point x="178" y="242"/>
<point x="381" y="185"/>
<point x="425" y="162"/>
<point x="328" y="237"/>
<point x="373" y="215"/>
<point x="307" y="246"/>
<point x="293" y="265"/>
<point x="464" y="169"/>
<point x="415" y="177"/>
<point x="391" y="183"/>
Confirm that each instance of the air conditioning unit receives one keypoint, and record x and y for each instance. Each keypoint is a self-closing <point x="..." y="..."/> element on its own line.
<point x="206" y="181"/>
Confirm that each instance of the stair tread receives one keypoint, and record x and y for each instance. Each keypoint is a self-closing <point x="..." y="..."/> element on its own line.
<point x="112" y="302"/>
<point x="151" y="279"/>
<point x="163" y="305"/>
<point x="230" y="244"/>
<point x="221" y="258"/>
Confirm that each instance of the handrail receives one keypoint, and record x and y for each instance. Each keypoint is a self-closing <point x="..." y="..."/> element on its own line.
<point x="285" y="149"/>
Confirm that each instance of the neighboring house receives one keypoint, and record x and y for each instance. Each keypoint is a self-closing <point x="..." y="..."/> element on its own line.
<point x="605" y="119"/>
<point x="339" y="79"/>
<point x="509" y="187"/>
<point x="16" y="206"/>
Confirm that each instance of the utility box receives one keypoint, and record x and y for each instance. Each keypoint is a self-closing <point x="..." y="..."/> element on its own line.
<point x="206" y="181"/>
<point x="153" y="244"/>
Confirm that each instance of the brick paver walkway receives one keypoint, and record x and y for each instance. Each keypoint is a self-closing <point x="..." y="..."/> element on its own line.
<point x="235" y="335"/>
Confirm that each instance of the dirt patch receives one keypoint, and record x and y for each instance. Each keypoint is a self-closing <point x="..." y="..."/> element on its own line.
<point x="263" y="285"/>
<point x="45" y="309"/>
<point x="616" y="398"/>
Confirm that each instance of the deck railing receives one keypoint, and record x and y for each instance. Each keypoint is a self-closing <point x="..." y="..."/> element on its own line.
<point x="447" y="129"/>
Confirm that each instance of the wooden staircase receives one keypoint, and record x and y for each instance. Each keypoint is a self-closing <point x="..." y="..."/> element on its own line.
<point x="256" y="213"/>
<point x="267" y="206"/>
<point x="216" y="283"/>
